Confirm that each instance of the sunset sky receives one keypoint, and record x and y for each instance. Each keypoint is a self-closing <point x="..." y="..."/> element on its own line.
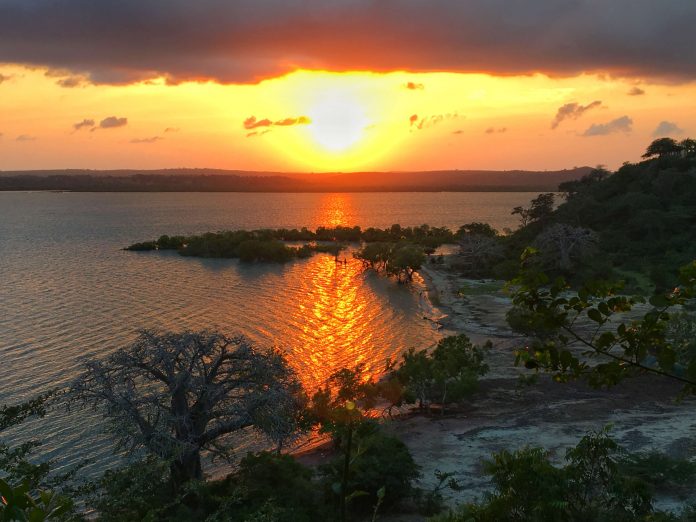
<point x="327" y="85"/>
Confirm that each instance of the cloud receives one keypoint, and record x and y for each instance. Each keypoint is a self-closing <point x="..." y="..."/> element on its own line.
<point x="431" y="121"/>
<point x="257" y="133"/>
<point x="86" y="123"/>
<point x="71" y="82"/>
<point x="636" y="91"/>
<point x="458" y="131"/>
<point x="172" y="129"/>
<point x="667" y="128"/>
<point x="112" y="122"/>
<point x="252" y="123"/>
<point x="153" y="139"/>
<point x="622" y="124"/>
<point x="493" y="130"/>
<point x="25" y="137"/>
<point x="414" y="86"/>
<point x="4" y="78"/>
<point x="572" y="111"/>
<point x="247" y="40"/>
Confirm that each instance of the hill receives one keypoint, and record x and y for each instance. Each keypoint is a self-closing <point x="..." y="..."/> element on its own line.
<point x="213" y="180"/>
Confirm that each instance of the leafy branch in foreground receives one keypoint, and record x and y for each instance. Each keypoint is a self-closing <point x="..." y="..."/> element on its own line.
<point x="569" y="330"/>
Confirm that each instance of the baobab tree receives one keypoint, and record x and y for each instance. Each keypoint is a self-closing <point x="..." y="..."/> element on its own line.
<point x="562" y="245"/>
<point x="179" y="394"/>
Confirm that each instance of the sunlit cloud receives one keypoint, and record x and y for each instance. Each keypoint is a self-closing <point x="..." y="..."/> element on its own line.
<point x="622" y="124"/>
<point x="572" y="111"/>
<point x="493" y="130"/>
<point x="171" y="129"/>
<point x="413" y="86"/>
<point x="25" y="137"/>
<point x="252" y="123"/>
<point x="636" y="91"/>
<point x="430" y="121"/>
<point x="4" y="78"/>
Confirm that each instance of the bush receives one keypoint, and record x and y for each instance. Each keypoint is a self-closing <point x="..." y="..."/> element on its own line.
<point x="378" y="461"/>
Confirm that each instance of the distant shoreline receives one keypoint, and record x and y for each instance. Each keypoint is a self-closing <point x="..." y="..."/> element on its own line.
<point x="318" y="191"/>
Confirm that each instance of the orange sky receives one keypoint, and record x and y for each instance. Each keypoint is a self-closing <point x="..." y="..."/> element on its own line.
<point x="320" y="121"/>
<point x="491" y="84"/>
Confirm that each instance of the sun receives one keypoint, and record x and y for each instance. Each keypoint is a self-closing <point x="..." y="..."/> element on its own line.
<point x="338" y="120"/>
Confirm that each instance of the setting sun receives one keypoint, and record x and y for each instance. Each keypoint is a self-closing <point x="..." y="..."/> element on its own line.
<point x="338" y="120"/>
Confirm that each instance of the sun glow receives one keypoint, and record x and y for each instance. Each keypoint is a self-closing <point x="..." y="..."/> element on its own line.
<point x="338" y="120"/>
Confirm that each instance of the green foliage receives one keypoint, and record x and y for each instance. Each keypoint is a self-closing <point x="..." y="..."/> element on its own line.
<point x="396" y="259"/>
<point x="18" y="504"/>
<point x="377" y="461"/>
<point x="265" y="484"/>
<point x="624" y="347"/>
<point x="589" y="486"/>
<point x="447" y="375"/>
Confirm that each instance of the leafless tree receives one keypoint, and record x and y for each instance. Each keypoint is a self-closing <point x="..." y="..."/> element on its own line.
<point x="562" y="245"/>
<point x="477" y="251"/>
<point x="178" y="394"/>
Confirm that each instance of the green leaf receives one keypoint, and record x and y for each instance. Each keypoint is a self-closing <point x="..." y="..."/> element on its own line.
<point x="659" y="301"/>
<point x="594" y="314"/>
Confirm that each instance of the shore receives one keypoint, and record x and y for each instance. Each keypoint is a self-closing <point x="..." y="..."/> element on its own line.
<point x="642" y="412"/>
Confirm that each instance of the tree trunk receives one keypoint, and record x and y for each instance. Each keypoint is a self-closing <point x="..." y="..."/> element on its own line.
<point x="186" y="467"/>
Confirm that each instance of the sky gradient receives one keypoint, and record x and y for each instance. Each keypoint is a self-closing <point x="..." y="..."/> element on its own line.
<point x="336" y="86"/>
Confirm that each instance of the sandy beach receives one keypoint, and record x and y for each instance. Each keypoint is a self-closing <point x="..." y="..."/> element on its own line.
<point x="642" y="412"/>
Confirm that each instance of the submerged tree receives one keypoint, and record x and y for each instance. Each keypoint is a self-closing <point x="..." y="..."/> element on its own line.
<point x="177" y="394"/>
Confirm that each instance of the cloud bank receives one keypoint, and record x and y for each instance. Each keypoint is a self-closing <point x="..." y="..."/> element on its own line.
<point x="121" y="41"/>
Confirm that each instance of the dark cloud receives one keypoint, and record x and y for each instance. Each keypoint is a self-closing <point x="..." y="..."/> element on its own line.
<point x="667" y="128"/>
<point x="252" y="123"/>
<point x="117" y="41"/>
<point x="25" y="137"/>
<point x="493" y="130"/>
<point x="171" y="129"/>
<point x="412" y="86"/>
<point x="622" y="124"/>
<point x="636" y="91"/>
<point x="113" y="122"/>
<point x="572" y="111"/>
<point x="153" y="139"/>
<point x="86" y="123"/>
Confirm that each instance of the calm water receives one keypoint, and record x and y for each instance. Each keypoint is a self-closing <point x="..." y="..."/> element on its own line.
<point x="67" y="291"/>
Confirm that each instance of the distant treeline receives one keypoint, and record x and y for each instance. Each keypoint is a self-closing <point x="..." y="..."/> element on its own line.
<point x="209" y="180"/>
<point x="269" y="244"/>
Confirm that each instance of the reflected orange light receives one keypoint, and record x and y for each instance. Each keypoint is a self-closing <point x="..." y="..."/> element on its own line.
<point x="335" y="210"/>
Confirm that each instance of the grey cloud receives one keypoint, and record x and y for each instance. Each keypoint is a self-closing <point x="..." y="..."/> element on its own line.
<point x="622" y="124"/>
<point x="636" y="91"/>
<point x="120" y="41"/>
<point x="493" y="130"/>
<point x="667" y="128"/>
<point x="572" y="111"/>
<point x="153" y="139"/>
<point x="86" y="123"/>
<point x="172" y="129"/>
<point x="113" y="122"/>
<point x="25" y="137"/>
